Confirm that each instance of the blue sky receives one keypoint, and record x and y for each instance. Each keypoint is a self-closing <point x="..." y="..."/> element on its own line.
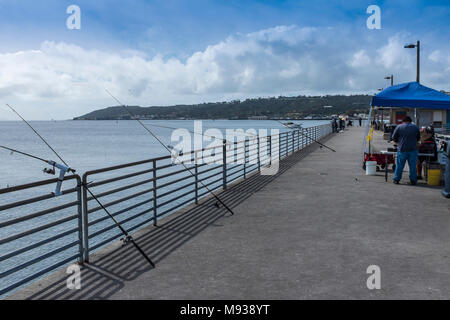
<point x="173" y="51"/>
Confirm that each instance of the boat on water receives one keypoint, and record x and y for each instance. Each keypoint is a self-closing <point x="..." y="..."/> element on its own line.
<point x="292" y="125"/>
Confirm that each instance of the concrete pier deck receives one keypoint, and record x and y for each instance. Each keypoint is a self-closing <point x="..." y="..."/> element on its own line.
<point x="310" y="232"/>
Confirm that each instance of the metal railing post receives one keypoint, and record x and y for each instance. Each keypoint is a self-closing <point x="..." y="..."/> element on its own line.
<point x="259" y="154"/>
<point x="303" y="138"/>
<point x="196" y="177"/>
<point x="287" y="144"/>
<point x="270" y="149"/>
<point x="279" y="146"/>
<point x="293" y="142"/>
<point x="155" y="202"/>
<point x="85" y="221"/>
<point x="224" y="156"/>
<point x="80" y="221"/>
<point x="245" y="158"/>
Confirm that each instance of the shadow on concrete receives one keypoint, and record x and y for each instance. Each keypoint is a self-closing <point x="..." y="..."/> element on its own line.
<point x="107" y="274"/>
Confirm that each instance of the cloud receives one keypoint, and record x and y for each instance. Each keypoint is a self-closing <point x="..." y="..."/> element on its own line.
<point x="62" y="80"/>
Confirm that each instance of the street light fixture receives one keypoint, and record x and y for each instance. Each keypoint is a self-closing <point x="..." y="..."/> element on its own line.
<point x="391" y="77"/>
<point x="412" y="46"/>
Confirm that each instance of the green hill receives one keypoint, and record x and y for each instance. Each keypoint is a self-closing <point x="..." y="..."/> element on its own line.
<point x="281" y="107"/>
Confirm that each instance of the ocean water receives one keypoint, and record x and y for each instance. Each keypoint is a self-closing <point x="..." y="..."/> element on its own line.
<point x="88" y="145"/>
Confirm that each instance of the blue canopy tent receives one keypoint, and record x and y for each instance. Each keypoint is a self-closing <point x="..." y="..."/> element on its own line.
<point x="412" y="95"/>
<point x="408" y="95"/>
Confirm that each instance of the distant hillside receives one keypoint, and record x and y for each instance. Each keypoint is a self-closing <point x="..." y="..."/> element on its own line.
<point x="281" y="107"/>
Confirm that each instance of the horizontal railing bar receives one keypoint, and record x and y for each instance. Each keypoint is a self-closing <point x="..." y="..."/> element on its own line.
<point x="209" y="177"/>
<point x="237" y="171"/>
<point x="235" y="178"/>
<point x="38" y="259"/>
<point x="32" y="231"/>
<point x="123" y="177"/>
<point x="112" y="203"/>
<point x="177" y="189"/>
<point x="120" y="222"/>
<point x="175" y="207"/>
<point x="106" y="217"/>
<point x="118" y="235"/>
<point x="38" y="244"/>
<point x="130" y="186"/>
<point x="207" y="192"/>
<point x="211" y="183"/>
<point x="40" y="273"/>
<point x="171" y="174"/>
<point x="166" y="166"/>
<point x="174" y="199"/>
<point x="36" y="199"/>
<point x="108" y="240"/>
<point x="121" y="166"/>
<point x="176" y="181"/>
<point x="38" y="214"/>
<point x="219" y="166"/>
<point x="35" y="184"/>
<point x="234" y="166"/>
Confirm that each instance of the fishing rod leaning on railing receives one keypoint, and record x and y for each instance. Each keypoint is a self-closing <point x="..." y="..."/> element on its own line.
<point x="133" y="116"/>
<point x="64" y="168"/>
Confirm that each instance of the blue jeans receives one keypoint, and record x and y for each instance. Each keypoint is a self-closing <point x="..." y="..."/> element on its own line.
<point x="412" y="163"/>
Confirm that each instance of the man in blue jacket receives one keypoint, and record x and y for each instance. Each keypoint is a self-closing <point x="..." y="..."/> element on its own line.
<point x="406" y="135"/>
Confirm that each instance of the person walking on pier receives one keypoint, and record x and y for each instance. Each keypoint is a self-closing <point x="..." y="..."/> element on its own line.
<point x="406" y="135"/>
<point x="360" y="121"/>
<point x="334" y="125"/>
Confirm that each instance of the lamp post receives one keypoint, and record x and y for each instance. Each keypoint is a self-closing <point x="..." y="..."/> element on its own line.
<point x="412" y="46"/>
<point x="391" y="77"/>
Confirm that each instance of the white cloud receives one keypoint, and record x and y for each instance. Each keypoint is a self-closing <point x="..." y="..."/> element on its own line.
<point x="360" y="59"/>
<point x="62" y="80"/>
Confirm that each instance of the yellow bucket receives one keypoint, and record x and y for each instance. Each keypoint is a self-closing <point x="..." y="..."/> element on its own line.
<point x="434" y="177"/>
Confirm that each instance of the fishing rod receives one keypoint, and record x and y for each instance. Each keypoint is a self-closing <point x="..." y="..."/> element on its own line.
<point x="193" y="132"/>
<point x="37" y="133"/>
<point x="168" y="149"/>
<point x="65" y="168"/>
<point x="307" y="136"/>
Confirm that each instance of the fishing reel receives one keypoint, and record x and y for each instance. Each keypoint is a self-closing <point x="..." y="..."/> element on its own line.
<point x="51" y="171"/>
<point x="125" y="240"/>
<point x="62" y="172"/>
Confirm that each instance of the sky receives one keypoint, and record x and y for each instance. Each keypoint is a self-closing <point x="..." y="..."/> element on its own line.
<point x="165" y="52"/>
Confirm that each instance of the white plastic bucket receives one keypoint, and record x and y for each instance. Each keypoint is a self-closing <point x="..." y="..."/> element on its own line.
<point x="371" y="168"/>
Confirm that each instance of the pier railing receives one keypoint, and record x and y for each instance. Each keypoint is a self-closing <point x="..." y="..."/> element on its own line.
<point x="136" y="194"/>
<point x="39" y="232"/>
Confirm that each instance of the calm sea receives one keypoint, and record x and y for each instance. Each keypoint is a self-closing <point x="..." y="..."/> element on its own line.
<point x="87" y="145"/>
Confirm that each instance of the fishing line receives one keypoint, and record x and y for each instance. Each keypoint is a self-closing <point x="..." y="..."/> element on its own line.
<point x="37" y="133"/>
<point x="299" y="131"/>
<point x="128" y="237"/>
<point x="23" y="153"/>
<point x="168" y="149"/>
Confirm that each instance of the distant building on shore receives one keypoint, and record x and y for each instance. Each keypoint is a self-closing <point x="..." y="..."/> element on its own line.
<point x="258" y="118"/>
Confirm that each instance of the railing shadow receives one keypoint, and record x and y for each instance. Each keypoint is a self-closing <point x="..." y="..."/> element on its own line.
<point x="106" y="275"/>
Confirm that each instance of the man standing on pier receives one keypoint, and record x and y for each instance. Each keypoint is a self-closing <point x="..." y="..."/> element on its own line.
<point x="406" y="135"/>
